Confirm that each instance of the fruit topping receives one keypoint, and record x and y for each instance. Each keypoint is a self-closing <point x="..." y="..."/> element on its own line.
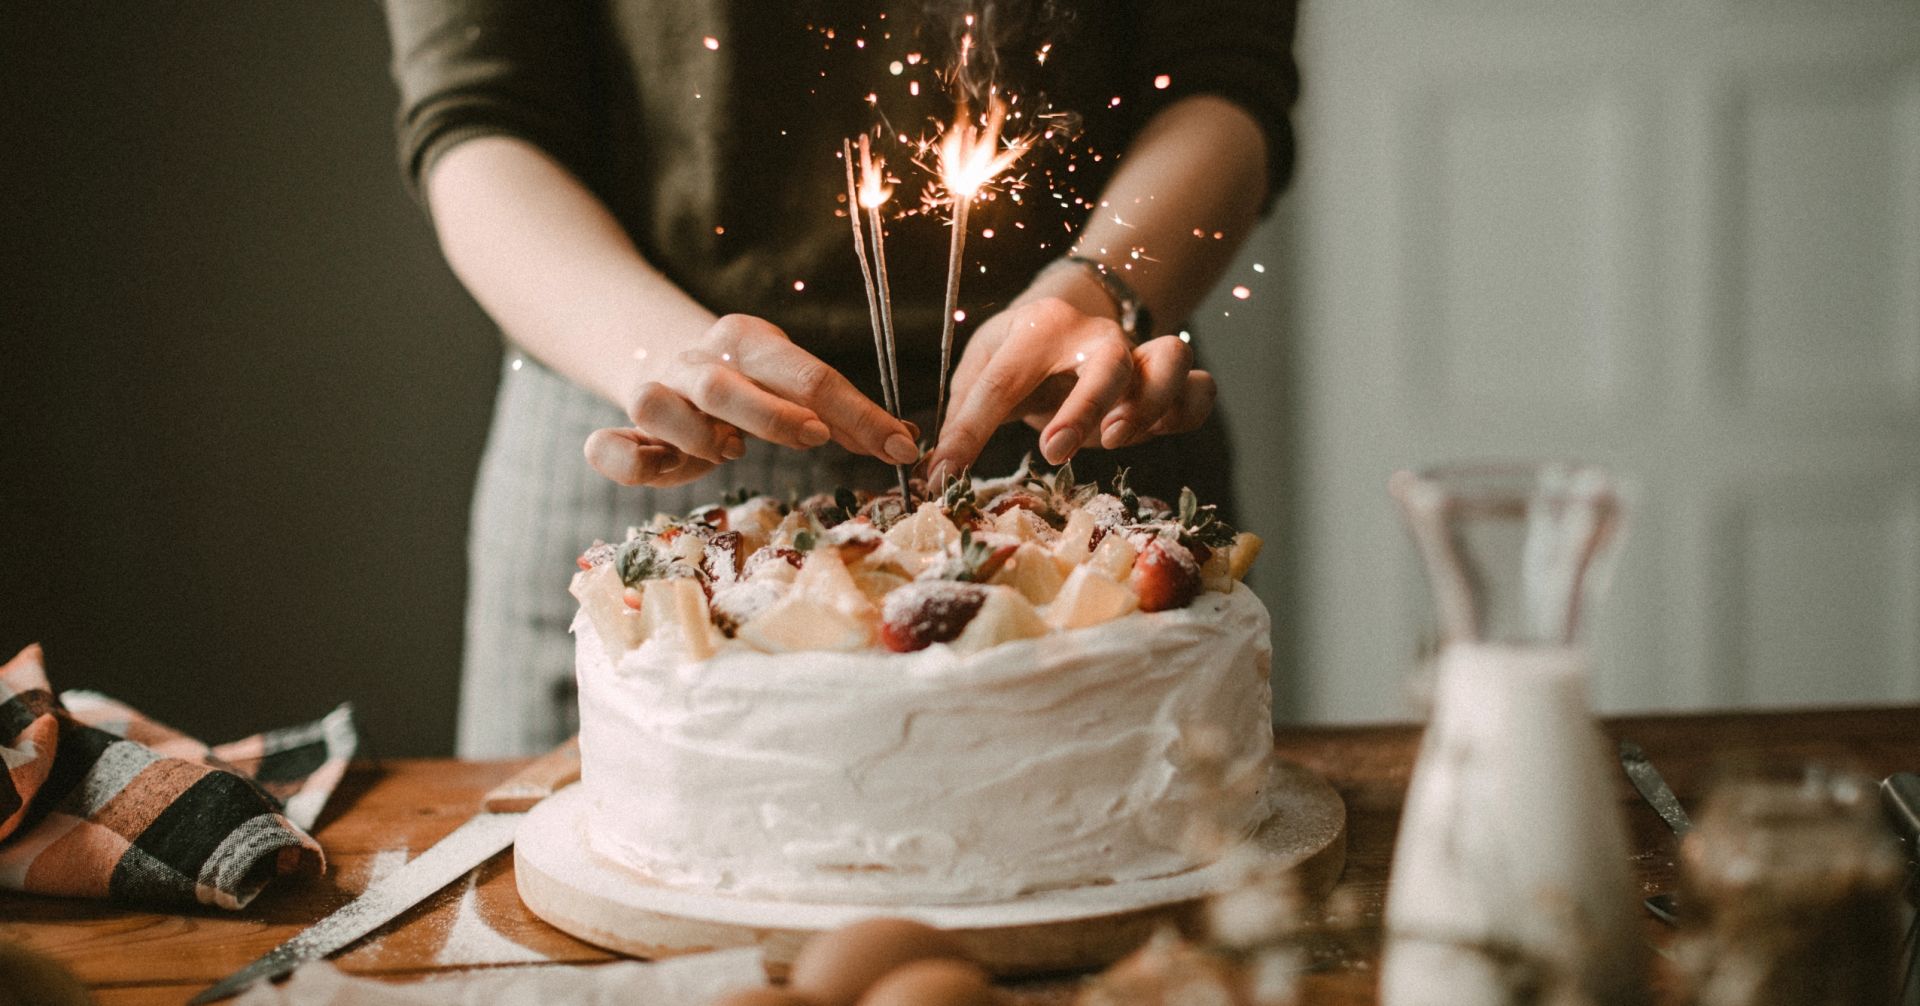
<point x="1245" y="548"/>
<point x="774" y="562"/>
<point x="928" y="530"/>
<point x="798" y="623"/>
<point x="601" y="553"/>
<point x="825" y="579"/>
<point x="736" y="605"/>
<point x="926" y="612"/>
<point x="600" y="591"/>
<point x="1033" y="572"/>
<point x="1164" y="575"/>
<point x="675" y="614"/>
<point x="1089" y="597"/>
<point x="853" y="540"/>
<point x="723" y="557"/>
<point x="1004" y="616"/>
<point x="1113" y="556"/>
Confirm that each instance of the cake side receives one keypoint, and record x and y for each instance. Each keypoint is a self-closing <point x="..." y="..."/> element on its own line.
<point x="931" y="777"/>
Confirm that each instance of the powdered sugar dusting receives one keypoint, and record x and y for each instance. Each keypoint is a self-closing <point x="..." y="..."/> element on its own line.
<point x="471" y="940"/>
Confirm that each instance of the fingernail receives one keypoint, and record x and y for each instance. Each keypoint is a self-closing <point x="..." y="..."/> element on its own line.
<point x="672" y="464"/>
<point x="900" y="450"/>
<point x="1061" y="445"/>
<point x="913" y="430"/>
<point x="813" y="433"/>
<point x="733" y="449"/>
<point x="1117" y="434"/>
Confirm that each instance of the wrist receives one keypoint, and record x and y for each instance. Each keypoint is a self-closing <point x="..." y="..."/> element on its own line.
<point x="1106" y="288"/>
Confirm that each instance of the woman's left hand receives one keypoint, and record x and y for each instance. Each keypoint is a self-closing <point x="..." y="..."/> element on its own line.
<point x="1057" y="360"/>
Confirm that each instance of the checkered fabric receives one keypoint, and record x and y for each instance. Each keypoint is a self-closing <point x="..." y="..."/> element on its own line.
<point x="100" y="802"/>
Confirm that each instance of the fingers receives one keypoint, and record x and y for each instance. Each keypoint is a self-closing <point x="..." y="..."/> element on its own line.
<point x="1105" y="374"/>
<point x="1161" y="368"/>
<point x="631" y="458"/>
<point x="766" y="356"/>
<point x="727" y="395"/>
<point x="1003" y="382"/>
<point x="1192" y="408"/>
<point x="662" y="414"/>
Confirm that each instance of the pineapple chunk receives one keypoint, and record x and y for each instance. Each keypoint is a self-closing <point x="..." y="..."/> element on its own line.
<point x="1114" y="556"/>
<point x="1245" y="548"/>
<point x="1024" y="524"/>
<point x="1072" y="548"/>
<point x="674" y="612"/>
<point x="599" y="591"/>
<point x="1216" y="573"/>
<point x="824" y="578"/>
<point x="927" y="530"/>
<point x="1004" y="616"/>
<point x="798" y="622"/>
<point x="1032" y="571"/>
<point x="1089" y="597"/>
<point x="875" y="583"/>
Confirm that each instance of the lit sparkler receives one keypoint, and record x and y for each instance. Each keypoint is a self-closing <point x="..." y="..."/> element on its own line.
<point x="870" y="192"/>
<point x="971" y="157"/>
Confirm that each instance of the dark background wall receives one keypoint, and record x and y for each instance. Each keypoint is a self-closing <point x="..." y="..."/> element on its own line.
<point x="241" y="397"/>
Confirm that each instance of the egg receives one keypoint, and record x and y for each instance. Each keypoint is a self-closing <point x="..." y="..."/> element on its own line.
<point x="765" y="997"/>
<point x="834" y="968"/>
<point x="933" y="983"/>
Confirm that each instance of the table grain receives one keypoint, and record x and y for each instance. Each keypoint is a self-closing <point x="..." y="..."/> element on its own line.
<point x="386" y="810"/>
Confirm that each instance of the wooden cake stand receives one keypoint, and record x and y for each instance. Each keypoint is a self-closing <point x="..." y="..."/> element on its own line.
<point x="1063" y="930"/>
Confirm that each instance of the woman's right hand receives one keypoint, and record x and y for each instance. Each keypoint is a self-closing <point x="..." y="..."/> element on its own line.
<point x="692" y="407"/>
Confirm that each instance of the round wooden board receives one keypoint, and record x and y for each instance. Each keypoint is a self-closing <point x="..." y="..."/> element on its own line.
<point x="1065" y="930"/>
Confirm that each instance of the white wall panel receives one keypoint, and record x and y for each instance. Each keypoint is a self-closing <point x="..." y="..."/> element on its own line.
<point x="1822" y="171"/>
<point x="1510" y="231"/>
<point x="1824" y="585"/>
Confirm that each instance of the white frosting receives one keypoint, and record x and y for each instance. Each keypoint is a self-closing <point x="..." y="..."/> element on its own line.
<point x="926" y="777"/>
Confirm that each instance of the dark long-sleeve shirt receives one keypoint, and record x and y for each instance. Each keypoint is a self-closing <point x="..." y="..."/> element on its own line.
<point x="711" y="128"/>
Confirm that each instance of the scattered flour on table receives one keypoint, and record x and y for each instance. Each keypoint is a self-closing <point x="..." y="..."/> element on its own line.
<point x="471" y="940"/>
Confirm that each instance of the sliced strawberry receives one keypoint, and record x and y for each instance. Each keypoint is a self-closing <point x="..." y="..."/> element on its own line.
<point x="714" y="517"/>
<point x="1022" y="500"/>
<point x="853" y="539"/>
<point x="723" y="559"/>
<point x="1165" y="575"/>
<point x="926" y="612"/>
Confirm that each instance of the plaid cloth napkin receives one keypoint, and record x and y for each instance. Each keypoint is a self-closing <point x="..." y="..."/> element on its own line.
<point x="100" y="802"/>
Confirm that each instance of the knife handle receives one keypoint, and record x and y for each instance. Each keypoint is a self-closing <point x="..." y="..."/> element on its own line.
<point x="536" y="781"/>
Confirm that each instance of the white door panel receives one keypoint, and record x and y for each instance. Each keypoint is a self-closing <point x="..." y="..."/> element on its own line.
<point x="1679" y="239"/>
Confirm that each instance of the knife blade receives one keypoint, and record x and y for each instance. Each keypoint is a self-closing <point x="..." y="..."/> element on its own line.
<point x="473" y="843"/>
<point x="1653" y="789"/>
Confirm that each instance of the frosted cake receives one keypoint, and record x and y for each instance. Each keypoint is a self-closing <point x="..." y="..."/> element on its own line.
<point x="997" y="691"/>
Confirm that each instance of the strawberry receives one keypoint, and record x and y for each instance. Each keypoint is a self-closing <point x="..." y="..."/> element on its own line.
<point x="722" y="557"/>
<point x="712" y="516"/>
<point x="1020" y="499"/>
<point x="853" y="539"/>
<point x="1165" y="575"/>
<point x="926" y="612"/>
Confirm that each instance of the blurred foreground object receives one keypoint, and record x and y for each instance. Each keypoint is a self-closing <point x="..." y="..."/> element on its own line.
<point x="1510" y="879"/>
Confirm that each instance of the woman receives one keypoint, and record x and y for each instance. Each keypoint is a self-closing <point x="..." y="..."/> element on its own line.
<point x="646" y="197"/>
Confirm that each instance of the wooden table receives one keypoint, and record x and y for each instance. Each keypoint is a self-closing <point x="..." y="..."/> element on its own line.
<point x="386" y="810"/>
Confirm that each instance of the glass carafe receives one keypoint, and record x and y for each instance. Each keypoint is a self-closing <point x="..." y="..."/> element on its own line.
<point x="1510" y="880"/>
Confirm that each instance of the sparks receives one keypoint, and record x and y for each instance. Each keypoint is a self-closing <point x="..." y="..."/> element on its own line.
<point x="970" y="158"/>
<point x="1162" y="82"/>
<point x="1257" y="267"/>
<point x="896" y="68"/>
<point x="1241" y="293"/>
<point x="710" y="42"/>
<point x="799" y="285"/>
